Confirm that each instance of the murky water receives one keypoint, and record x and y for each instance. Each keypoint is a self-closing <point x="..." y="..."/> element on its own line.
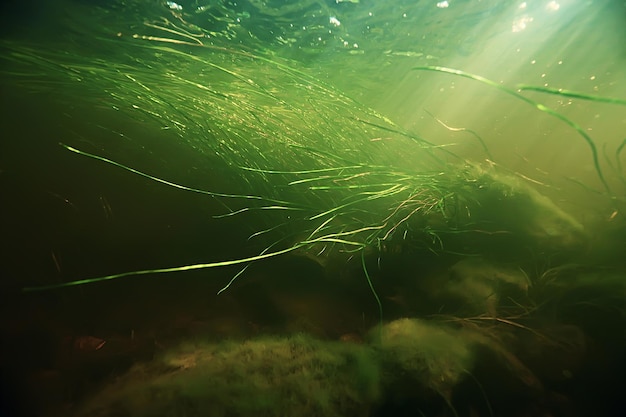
<point x="313" y="208"/>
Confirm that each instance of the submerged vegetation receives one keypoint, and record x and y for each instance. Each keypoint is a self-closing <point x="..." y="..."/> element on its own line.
<point x="476" y="248"/>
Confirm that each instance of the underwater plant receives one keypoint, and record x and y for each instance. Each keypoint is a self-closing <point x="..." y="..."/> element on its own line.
<point x="317" y="171"/>
<point x="447" y="261"/>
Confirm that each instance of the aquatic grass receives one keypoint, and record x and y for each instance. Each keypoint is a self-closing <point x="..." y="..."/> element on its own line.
<point x="618" y="160"/>
<point x="464" y="129"/>
<point x="299" y="152"/>
<point x="365" y="229"/>
<point x="162" y="270"/>
<point x="280" y="204"/>
<point x="238" y="108"/>
<point x="572" y="94"/>
<point x="591" y="144"/>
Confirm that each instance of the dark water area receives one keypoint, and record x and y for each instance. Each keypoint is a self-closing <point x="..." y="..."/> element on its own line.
<point x="312" y="208"/>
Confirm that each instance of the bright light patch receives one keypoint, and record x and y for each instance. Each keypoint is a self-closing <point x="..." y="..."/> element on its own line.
<point x="443" y="4"/>
<point x="553" y="6"/>
<point x="174" y="6"/>
<point x="334" y="21"/>
<point x="521" y="23"/>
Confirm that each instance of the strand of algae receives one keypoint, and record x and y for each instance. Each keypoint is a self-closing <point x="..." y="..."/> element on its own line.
<point x="165" y="270"/>
<point x="175" y="185"/>
<point x="572" y="94"/>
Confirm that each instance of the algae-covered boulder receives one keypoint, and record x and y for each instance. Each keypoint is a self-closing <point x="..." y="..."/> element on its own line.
<point x="422" y="356"/>
<point x="475" y="286"/>
<point x="270" y="376"/>
<point x="430" y="365"/>
<point x="505" y="208"/>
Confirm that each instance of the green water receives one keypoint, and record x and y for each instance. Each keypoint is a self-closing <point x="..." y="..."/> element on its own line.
<point x="358" y="183"/>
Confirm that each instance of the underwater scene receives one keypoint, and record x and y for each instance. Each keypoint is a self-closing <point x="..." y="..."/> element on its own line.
<point x="277" y="208"/>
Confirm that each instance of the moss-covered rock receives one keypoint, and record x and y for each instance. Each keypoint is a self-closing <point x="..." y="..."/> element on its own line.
<point x="425" y="356"/>
<point x="294" y="376"/>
